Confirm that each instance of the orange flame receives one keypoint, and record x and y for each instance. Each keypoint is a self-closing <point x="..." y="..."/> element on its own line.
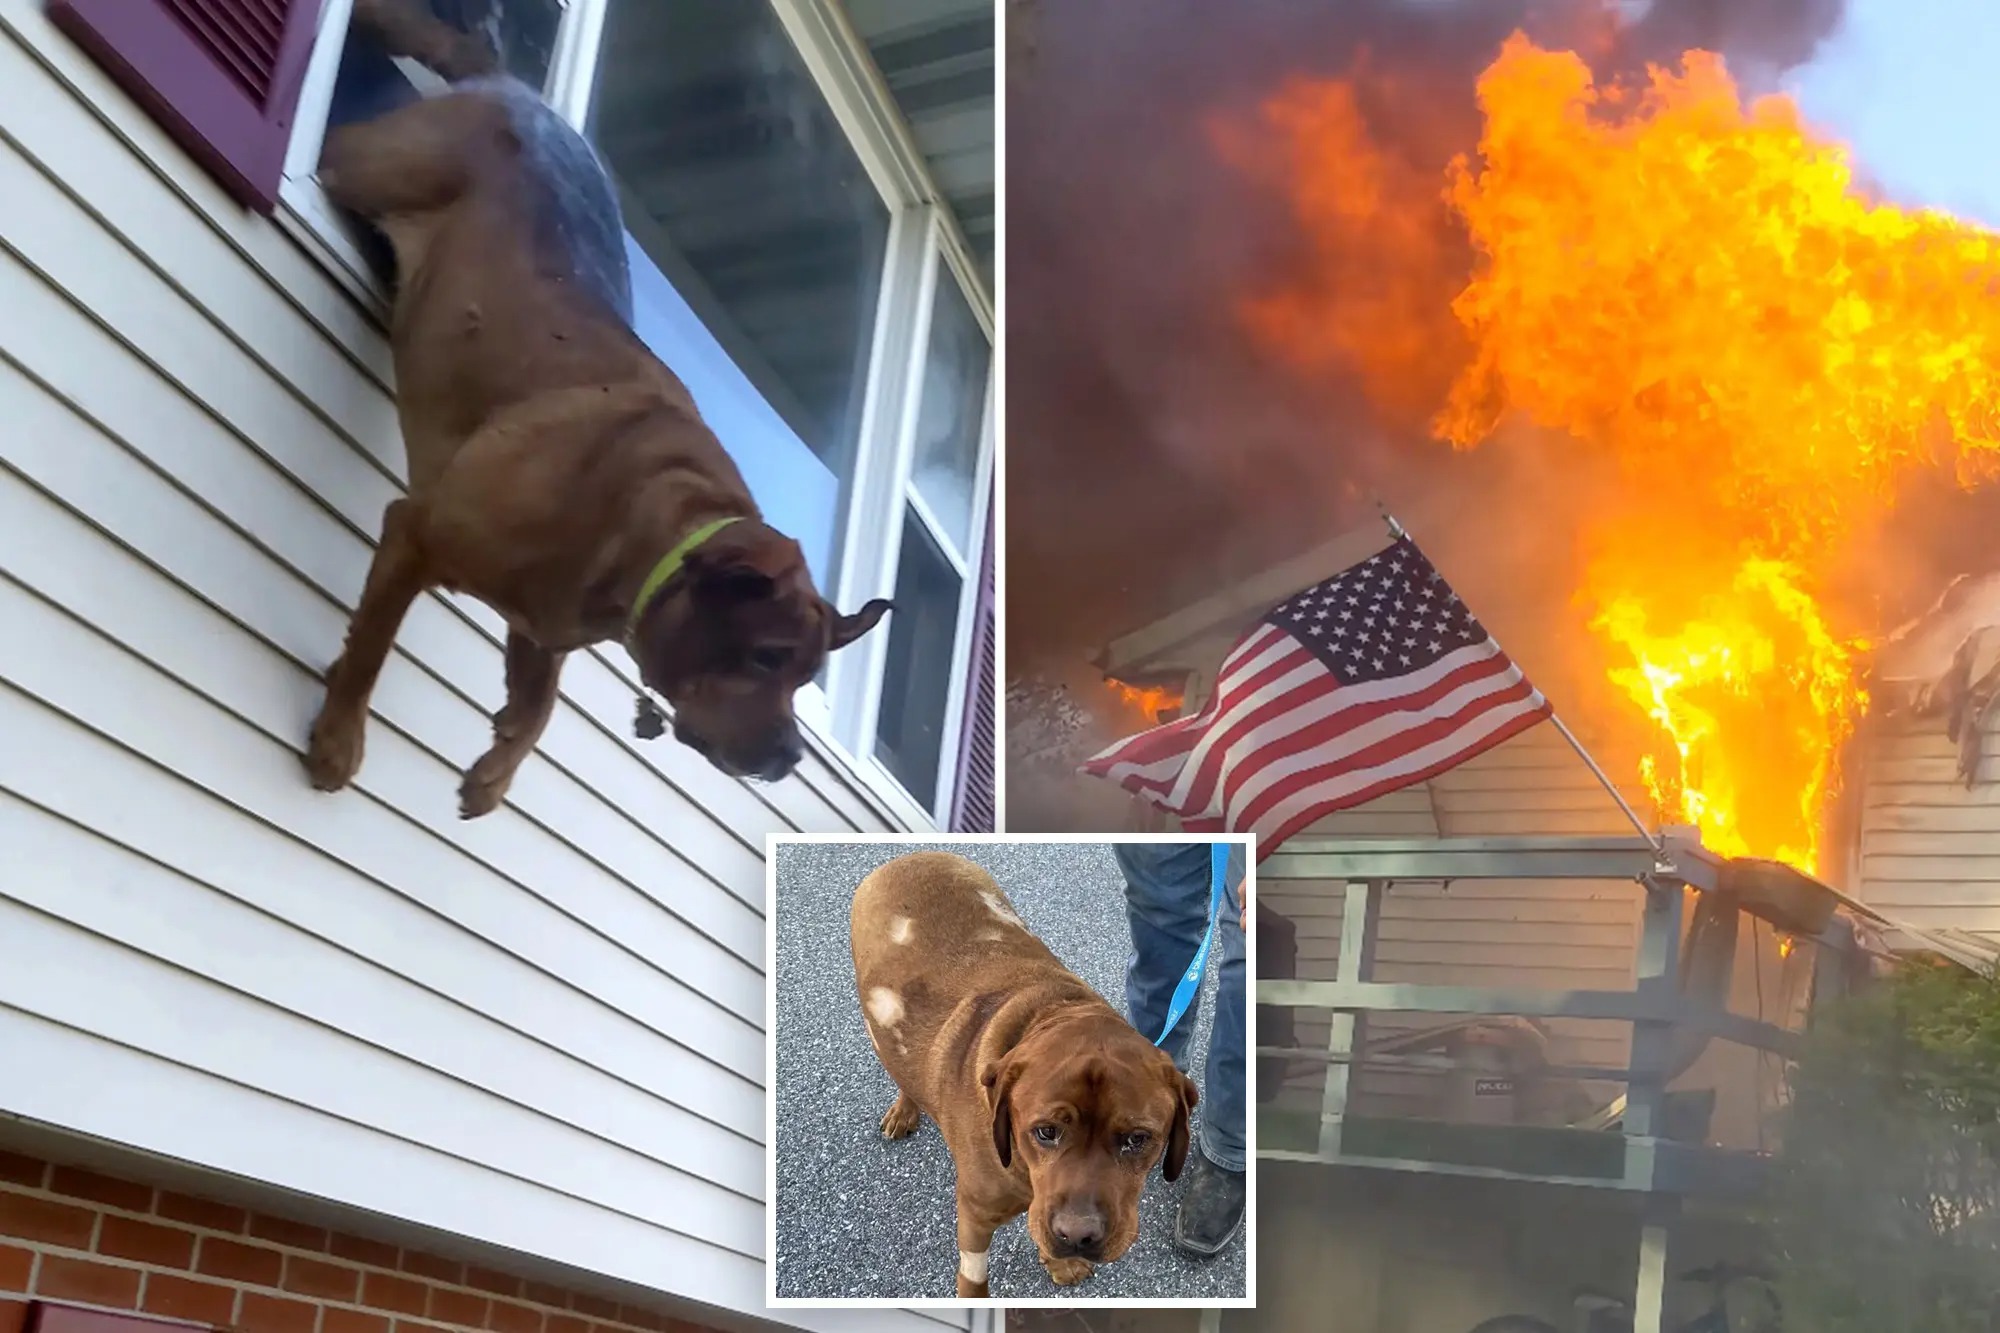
<point x="1148" y="702"/>
<point x="1694" y="298"/>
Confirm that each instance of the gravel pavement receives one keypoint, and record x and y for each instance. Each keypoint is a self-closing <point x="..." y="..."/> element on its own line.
<point x="858" y="1216"/>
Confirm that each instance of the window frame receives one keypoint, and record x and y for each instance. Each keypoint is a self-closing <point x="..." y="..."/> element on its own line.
<point x="924" y="247"/>
<point x="945" y="261"/>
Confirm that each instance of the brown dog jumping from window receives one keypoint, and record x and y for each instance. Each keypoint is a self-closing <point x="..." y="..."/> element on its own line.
<point x="1050" y="1102"/>
<point x="558" y="470"/>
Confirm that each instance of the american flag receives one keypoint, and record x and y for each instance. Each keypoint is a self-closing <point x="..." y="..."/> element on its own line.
<point x="1375" y="679"/>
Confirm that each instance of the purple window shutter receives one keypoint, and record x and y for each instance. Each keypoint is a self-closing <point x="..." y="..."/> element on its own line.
<point x="973" y="805"/>
<point x="222" y="76"/>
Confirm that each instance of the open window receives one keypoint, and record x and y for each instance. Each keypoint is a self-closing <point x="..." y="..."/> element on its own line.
<point x="793" y="260"/>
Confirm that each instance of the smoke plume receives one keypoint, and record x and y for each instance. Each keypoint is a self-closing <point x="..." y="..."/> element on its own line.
<point x="1154" y="452"/>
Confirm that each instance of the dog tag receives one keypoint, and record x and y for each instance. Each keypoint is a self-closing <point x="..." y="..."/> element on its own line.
<point x="651" y="723"/>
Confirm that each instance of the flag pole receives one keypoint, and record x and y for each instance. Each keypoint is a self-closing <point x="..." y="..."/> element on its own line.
<point x="1400" y="533"/>
<point x="1652" y="838"/>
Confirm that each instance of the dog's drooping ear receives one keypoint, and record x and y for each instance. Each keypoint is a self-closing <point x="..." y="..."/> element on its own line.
<point x="1177" y="1137"/>
<point x="846" y="629"/>
<point x="998" y="1080"/>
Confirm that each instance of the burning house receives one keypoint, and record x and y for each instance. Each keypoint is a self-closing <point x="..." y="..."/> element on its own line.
<point x="1701" y="423"/>
<point x="1495" y="905"/>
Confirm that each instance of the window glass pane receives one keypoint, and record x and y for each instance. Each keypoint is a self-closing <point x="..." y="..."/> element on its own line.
<point x="916" y="683"/>
<point x="950" y="411"/>
<point x="758" y="240"/>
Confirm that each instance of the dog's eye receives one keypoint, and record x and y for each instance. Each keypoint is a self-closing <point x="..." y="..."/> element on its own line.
<point x="1136" y="1141"/>
<point x="1048" y="1135"/>
<point x="769" y="659"/>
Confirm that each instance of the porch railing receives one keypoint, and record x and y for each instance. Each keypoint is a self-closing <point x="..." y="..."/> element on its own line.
<point x="1675" y="1004"/>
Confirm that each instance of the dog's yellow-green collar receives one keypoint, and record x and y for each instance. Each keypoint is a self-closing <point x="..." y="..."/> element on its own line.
<point x="670" y="565"/>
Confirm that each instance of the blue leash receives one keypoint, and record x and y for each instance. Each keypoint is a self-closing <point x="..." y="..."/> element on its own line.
<point x="1190" y="982"/>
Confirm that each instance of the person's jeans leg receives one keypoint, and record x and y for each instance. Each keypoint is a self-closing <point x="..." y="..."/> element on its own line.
<point x="1224" y="1092"/>
<point x="1167" y="901"/>
<point x="1166" y="904"/>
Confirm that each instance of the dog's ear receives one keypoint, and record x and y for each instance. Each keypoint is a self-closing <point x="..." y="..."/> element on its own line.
<point x="1177" y="1137"/>
<point x="846" y="629"/>
<point x="998" y="1079"/>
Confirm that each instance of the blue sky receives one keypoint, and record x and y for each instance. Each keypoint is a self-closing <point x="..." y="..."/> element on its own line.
<point x="1914" y="86"/>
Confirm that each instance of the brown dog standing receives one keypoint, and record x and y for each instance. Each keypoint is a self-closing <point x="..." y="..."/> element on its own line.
<point x="1050" y="1102"/>
<point x="558" y="470"/>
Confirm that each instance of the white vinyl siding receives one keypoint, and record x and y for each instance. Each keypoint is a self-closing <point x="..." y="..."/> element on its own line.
<point x="539" y="1030"/>
<point x="1553" y="934"/>
<point x="1930" y="847"/>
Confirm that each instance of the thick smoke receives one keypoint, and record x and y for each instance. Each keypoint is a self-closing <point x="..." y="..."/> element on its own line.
<point x="1154" y="453"/>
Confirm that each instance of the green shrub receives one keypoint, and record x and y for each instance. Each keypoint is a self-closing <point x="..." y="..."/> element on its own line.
<point x="1887" y="1206"/>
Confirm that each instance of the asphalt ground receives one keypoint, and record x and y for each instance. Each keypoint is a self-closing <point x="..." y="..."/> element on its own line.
<point x="858" y="1216"/>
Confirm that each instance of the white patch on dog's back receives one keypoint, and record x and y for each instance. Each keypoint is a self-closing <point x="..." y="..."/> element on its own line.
<point x="998" y="906"/>
<point x="885" y="1007"/>
<point x="899" y="929"/>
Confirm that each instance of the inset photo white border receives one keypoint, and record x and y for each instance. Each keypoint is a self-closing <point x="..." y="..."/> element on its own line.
<point x="839" y="948"/>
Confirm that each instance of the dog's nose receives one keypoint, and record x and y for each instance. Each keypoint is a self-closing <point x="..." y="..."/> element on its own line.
<point x="784" y="758"/>
<point x="1078" y="1233"/>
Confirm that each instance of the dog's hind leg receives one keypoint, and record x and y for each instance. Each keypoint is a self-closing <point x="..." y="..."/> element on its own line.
<point x="333" y="755"/>
<point x="902" y="1118"/>
<point x="414" y="159"/>
<point x="408" y="28"/>
<point x="532" y="675"/>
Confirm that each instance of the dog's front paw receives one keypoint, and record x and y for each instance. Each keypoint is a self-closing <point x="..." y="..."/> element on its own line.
<point x="901" y="1119"/>
<point x="486" y="783"/>
<point x="972" y="1275"/>
<point x="333" y="754"/>
<point x="1068" y="1272"/>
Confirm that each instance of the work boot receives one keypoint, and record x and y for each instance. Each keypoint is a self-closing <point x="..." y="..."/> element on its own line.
<point x="1211" y="1209"/>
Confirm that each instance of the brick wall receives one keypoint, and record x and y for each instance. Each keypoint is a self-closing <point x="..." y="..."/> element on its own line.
<point x="75" y="1237"/>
